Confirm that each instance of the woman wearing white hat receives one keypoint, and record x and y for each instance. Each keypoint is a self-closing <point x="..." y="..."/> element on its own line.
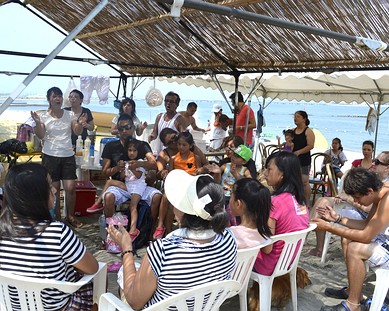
<point x="202" y="250"/>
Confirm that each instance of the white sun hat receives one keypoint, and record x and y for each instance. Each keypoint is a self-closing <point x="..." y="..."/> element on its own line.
<point x="180" y="189"/>
<point x="217" y="108"/>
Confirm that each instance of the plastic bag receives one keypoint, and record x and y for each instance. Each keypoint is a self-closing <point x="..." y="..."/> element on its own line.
<point x="71" y="86"/>
<point x="154" y="97"/>
<point x="110" y="245"/>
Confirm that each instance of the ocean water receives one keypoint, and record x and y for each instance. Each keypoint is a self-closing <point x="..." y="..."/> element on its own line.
<point x="345" y="121"/>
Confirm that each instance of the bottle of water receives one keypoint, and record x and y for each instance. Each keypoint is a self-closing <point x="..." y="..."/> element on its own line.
<point x="79" y="146"/>
<point x="87" y="145"/>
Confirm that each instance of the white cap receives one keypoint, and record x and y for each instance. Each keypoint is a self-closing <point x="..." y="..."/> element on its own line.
<point x="180" y="190"/>
<point x="217" y="108"/>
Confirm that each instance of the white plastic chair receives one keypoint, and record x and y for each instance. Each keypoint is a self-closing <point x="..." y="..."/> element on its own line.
<point x="29" y="289"/>
<point x="380" y="289"/>
<point x="294" y="242"/>
<point x="244" y="265"/>
<point x="207" y="297"/>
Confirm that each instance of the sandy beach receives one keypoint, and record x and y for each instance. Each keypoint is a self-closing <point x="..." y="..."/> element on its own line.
<point x="311" y="298"/>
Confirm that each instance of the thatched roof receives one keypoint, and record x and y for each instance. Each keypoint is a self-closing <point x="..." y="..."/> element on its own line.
<point x="144" y="39"/>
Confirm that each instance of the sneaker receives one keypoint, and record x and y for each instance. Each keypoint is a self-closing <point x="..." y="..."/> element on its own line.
<point x="336" y="293"/>
<point x="159" y="233"/>
<point x="134" y="235"/>
<point x="95" y="208"/>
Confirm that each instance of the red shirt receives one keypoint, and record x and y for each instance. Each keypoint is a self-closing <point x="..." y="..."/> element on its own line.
<point x="241" y="121"/>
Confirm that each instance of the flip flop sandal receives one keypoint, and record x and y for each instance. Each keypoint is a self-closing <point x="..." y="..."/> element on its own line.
<point x="159" y="233"/>
<point x="74" y="222"/>
<point x="134" y="235"/>
<point x="114" y="267"/>
<point x="340" y="307"/>
<point x="336" y="293"/>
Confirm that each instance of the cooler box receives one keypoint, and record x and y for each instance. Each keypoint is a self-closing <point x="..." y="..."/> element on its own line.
<point x="85" y="197"/>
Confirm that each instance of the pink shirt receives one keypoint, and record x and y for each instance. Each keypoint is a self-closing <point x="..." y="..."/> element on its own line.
<point x="289" y="217"/>
<point x="247" y="237"/>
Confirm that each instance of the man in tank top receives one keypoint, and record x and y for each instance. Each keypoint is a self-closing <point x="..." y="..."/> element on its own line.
<point x="171" y="118"/>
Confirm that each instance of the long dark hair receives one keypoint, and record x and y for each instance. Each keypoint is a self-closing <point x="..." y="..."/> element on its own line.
<point x="257" y="199"/>
<point x="25" y="210"/>
<point x="289" y="165"/>
<point x="207" y="185"/>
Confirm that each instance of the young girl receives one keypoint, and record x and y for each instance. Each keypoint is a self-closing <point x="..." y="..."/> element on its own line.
<point x="228" y="173"/>
<point x="251" y="201"/>
<point x="288" y="144"/>
<point x="135" y="184"/>
<point x="367" y="150"/>
<point x="185" y="159"/>
<point x="337" y="155"/>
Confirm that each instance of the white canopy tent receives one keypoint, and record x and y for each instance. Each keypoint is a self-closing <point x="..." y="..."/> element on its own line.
<point x="370" y="87"/>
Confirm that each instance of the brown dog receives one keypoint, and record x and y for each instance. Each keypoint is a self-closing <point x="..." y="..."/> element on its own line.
<point x="281" y="292"/>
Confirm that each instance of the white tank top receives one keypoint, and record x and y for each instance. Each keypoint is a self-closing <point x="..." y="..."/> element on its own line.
<point x="164" y="124"/>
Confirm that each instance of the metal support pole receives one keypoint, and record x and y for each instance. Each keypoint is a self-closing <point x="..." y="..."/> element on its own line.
<point x="222" y="10"/>
<point x="53" y="54"/>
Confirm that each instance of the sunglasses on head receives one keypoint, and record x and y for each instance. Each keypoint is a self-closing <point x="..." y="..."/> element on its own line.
<point x="124" y="127"/>
<point x="378" y="162"/>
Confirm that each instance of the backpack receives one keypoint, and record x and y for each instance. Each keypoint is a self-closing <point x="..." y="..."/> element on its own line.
<point x="24" y="132"/>
<point x="144" y="225"/>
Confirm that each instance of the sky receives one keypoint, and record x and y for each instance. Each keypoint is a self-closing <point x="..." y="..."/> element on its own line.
<point x="22" y="31"/>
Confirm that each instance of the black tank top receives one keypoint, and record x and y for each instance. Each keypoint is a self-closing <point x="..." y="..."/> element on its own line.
<point x="300" y="141"/>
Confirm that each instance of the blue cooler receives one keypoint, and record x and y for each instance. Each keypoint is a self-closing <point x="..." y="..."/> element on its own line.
<point x="103" y="142"/>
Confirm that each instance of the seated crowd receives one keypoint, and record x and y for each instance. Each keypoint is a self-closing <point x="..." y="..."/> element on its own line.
<point x="218" y="208"/>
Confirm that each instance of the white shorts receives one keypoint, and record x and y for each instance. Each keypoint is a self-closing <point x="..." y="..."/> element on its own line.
<point x="380" y="257"/>
<point x="122" y="196"/>
<point x="136" y="187"/>
<point x="149" y="193"/>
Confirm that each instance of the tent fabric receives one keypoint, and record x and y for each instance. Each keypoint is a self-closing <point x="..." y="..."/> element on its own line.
<point x="141" y="37"/>
<point x="348" y="87"/>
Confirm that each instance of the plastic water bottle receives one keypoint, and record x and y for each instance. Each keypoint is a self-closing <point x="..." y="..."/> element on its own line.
<point x="102" y="226"/>
<point x="87" y="145"/>
<point x="79" y="146"/>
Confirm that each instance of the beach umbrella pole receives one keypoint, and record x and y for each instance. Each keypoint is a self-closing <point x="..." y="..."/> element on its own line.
<point x="52" y="55"/>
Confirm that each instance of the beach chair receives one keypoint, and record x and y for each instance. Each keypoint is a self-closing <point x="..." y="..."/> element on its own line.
<point x="318" y="180"/>
<point x="244" y="265"/>
<point x="287" y="263"/>
<point x="380" y="289"/>
<point x="29" y="289"/>
<point x="206" y="297"/>
<point x="332" y="186"/>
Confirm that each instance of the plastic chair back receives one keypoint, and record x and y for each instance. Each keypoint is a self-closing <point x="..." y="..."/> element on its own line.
<point x="206" y="297"/>
<point x="287" y="263"/>
<point x="332" y="182"/>
<point x="29" y="289"/>
<point x="380" y="289"/>
<point x="245" y="260"/>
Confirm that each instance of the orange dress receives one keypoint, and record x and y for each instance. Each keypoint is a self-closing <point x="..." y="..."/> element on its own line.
<point x="188" y="164"/>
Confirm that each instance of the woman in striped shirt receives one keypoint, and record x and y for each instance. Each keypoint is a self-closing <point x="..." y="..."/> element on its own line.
<point x="33" y="245"/>
<point x="202" y="250"/>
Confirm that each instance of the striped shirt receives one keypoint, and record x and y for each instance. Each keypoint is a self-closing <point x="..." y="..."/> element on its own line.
<point x="50" y="256"/>
<point x="181" y="264"/>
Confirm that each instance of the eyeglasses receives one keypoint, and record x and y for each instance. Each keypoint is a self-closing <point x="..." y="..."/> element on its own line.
<point x="124" y="127"/>
<point x="378" y="162"/>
